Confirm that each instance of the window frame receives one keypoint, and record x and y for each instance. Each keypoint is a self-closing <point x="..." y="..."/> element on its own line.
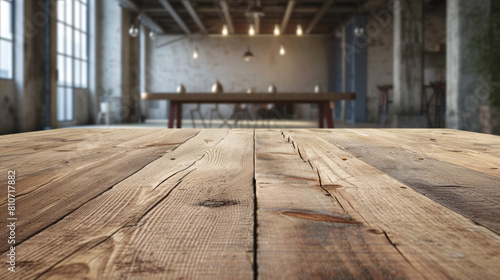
<point x="63" y="54"/>
<point x="12" y="41"/>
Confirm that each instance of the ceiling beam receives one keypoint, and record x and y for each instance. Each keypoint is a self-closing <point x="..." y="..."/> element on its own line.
<point x="194" y="15"/>
<point x="257" y="19"/>
<point x="227" y="16"/>
<point x="175" y="16"/>
<point x="267" y="9"/>
<point x="150" y="23"/>
<point x="326" y="5"/>
<point x="128" y="5"/>
<point x="257" y="25"/>
<point x="145" y="20"/>
<point x="286" y="17"/>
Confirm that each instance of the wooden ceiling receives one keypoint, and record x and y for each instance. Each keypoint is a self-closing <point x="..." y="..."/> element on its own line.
<point x="208" y="16"/>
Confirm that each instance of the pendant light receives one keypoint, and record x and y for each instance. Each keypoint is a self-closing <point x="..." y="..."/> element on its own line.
<point x="248" y="55"/>
<point x="251" y="31"/>
<point x="152" y="35"/>
<point x="276" y="30"/>
<point x="195" y="53"/>
<point x="299" y="30"/>
<point x="282" y="50"/>
<point x="359" y="31"/>
<point x="133" y="31"/>
<point x="224" y="30"/>
<point x="254" y="11"/>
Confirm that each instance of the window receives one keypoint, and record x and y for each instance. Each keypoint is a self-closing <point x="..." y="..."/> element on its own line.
<point x="6" y="39"/>
<point x="72" y="53"/>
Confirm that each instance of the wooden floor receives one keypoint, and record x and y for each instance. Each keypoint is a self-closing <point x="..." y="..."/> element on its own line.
<point x="253" y="204"/>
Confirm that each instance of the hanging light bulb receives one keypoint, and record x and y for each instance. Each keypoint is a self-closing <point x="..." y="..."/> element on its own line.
<point x="251" y="31"/>
<point x="195" y="53"/>
<point x="299" y="30"/>
<point x="282" y="50"/>
<point x="276" y="30"/>
<point x="133" y="31"/>
<point x="359" y="31"/>
<point x="152" y="35"/>
<point x="224" y="30"/>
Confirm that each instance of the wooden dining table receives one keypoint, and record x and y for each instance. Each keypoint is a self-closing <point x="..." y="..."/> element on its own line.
<point x="322" y="99"/>
<point x="251" y="204"/>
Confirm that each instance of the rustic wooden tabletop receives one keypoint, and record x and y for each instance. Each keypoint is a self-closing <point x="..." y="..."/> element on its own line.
<point x="249" y="204"/>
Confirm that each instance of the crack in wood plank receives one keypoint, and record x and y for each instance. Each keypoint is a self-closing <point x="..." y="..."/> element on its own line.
<point x="435" y="241"/>
<point x="287" y="221"/>
<point x="466" y="191"/>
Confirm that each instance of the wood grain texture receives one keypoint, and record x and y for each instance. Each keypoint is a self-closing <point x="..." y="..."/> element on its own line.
<point x="479" y="152"/>
<point x="126" y="206"/>
<point x="308" y="232"/>
<point x="60" y="181"/>
<point x="254" y="204"/>
<point x="201" y="228"/>
<point x="466" y="191"/>
<point x="436" y="241"/>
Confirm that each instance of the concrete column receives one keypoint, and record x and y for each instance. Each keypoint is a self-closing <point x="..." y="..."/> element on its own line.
<point x="408" y="63"/>
<point x="108" y="53"/>
<point x="35" y="64"/>
<point x="94" y="42"/>
<point x="144" y="76"/>
<point x="466" y="21"/>
<point x="117" y="60"/>
<point x="130" y="67"/>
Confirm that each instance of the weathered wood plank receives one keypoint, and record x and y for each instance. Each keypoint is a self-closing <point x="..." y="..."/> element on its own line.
<point x="436" y="241"/>
<point x="479" y="142"/>
<point x="46" y="193"/>
<point x="15" y="148"/>
<point x="466" y="191"/>
<point x="49" y="152"/>
<point x="323" y="208"/>
<point x="202" y="229"/>
<point x="449" y="149"/>
<point x="49" y="149"/>
<point x="161" y="221"/>
<point x="308" y="232"/>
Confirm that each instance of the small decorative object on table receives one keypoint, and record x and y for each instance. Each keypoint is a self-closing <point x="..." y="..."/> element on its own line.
<point x="181" y="89"/>
<point x="272" y="89"/>
<point x="217" y="87"/>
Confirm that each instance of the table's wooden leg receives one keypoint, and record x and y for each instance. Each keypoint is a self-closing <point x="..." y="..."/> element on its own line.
<point x="179" y="115"/>
<point x="321" y="115"/>
<point x="171" y="114"/>
<point x="329" y="117"/>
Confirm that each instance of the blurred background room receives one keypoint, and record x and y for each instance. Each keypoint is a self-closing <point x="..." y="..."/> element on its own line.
<point x="90" y="63"/>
